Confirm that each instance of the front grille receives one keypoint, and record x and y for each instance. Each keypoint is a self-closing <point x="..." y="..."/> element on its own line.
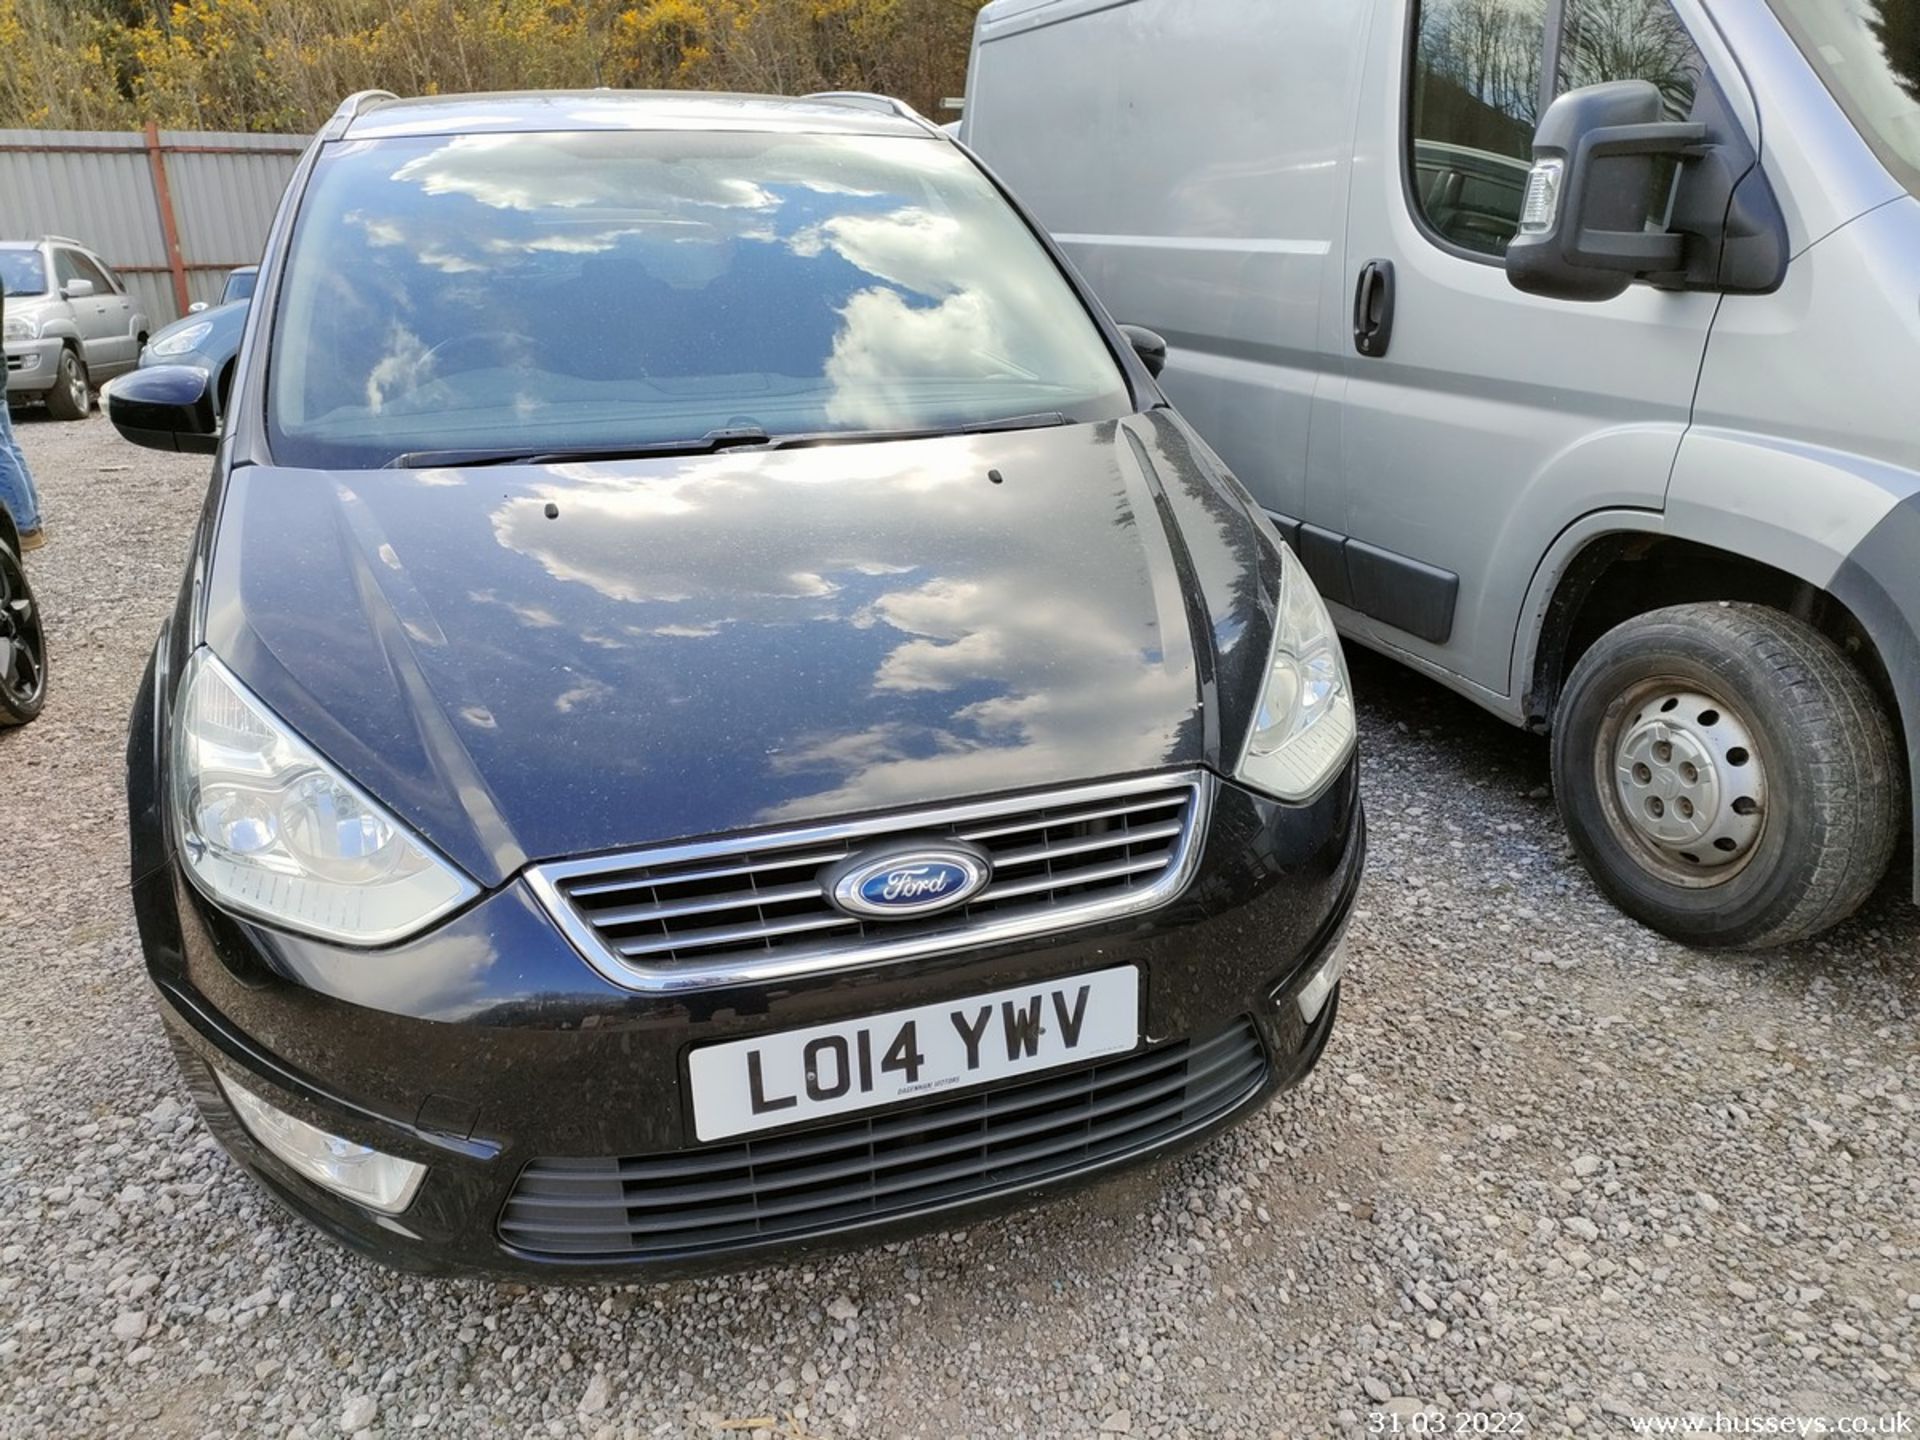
<point x="754" y="907"/>
<point x="896" y="1163"/>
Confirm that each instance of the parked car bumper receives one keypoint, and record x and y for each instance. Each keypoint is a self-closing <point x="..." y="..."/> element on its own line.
<point x="32" y="366"/>
<point x="488" y="1045"/>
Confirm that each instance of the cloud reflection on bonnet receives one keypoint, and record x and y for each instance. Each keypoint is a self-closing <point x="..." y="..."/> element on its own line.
<point x="994" y="644"/>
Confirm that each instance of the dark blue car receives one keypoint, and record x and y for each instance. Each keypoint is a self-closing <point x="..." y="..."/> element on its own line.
<point x="715" y="707"/>
<point x="207" y="337"/>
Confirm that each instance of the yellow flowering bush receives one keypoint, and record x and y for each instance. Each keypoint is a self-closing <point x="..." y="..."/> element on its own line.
<point x="282" y="65"/>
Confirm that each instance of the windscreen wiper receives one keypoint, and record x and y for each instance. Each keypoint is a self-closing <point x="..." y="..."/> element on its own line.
<point x="1038" y="420"/>
<point x="707" y="444"/>
<point x="735" y="437"/>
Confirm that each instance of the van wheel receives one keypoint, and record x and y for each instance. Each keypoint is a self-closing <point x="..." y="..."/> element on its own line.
<point x="72" y="395"/>
<point x="1727" y="777"/>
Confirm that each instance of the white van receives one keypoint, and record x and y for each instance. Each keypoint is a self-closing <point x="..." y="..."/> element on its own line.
<point x="1575" y="346"/>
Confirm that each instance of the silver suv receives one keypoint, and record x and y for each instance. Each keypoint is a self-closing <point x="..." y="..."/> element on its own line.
<point x="70" y="323"/>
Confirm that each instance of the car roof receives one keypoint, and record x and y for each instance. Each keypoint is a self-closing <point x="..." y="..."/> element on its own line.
<point x="508" y="112"/>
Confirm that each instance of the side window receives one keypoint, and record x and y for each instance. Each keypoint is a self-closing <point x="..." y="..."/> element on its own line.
<point x="1476" y="97"/>
<point x="1475" y="101"/>
<point x="1629" y="40"/>
<point x="88" y="270"/>
<point x="109" y="274"/>
<point x="65" y="267"/>
<point x="1633" y="40"/>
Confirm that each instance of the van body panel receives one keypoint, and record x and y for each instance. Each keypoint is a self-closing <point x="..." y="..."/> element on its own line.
<point x="1829" y="360"/>
<point x="1804" y="437"/>
<point x="1012" y="17"/>
<point x="1235" y="119"/>
<point x="1796" y="507"/>
<point x="1489" y="425"/>
<point x="1822" y="172"/>
<point x="1806" y="454"/>
<point x="1361" y="629"/>
<point x="1880" y="583"/>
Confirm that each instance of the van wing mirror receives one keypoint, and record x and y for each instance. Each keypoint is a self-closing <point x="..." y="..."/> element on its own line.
<point x="164" y="407"/>
<point x="1589" y="226"/>
<point x="1583" y="225"/>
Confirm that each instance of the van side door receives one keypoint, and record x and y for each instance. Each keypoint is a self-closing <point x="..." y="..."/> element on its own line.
<point x="1191" y="159"/>
<point x="1476" y="422"/>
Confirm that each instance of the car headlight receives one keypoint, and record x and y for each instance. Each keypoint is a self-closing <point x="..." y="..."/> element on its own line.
<point x="1304" y="729"/>
<point x="179" y="342"/>
<point x="271" y="830"/>
<point x="20" y="327"/>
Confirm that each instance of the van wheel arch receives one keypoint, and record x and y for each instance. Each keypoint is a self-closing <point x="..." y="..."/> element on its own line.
<point x="1624" y="574"/>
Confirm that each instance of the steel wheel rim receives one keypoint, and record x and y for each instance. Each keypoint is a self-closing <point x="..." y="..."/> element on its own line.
<point x="23" y="655"/>
<point x="1683" y="782"/>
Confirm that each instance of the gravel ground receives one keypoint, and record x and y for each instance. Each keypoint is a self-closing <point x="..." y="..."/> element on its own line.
<point x="1551" y="1165"/>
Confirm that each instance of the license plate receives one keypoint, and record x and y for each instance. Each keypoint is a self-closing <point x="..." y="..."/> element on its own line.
<point x="747" y="1085"/>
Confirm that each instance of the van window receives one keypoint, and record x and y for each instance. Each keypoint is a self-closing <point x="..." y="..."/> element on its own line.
<point x="1476" y="98"/>
<point x="1602" y="40"/>
<point x="1868" y="54"/>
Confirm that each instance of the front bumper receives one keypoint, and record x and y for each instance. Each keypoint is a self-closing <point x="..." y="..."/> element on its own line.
<point x="489" y="1044"/>
<point x="32" y="366"/>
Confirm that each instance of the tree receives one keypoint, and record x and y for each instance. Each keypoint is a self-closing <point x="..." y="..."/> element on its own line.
<point x="284" y="64"/>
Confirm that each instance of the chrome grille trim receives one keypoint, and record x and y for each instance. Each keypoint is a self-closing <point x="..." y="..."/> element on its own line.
<point x="770" y="919"/>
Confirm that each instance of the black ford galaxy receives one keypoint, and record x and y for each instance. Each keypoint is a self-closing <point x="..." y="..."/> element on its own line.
<point x="714" y="705"/>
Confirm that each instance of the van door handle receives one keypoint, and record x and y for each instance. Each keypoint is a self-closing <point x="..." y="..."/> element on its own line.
<point x="1373" y="308"/>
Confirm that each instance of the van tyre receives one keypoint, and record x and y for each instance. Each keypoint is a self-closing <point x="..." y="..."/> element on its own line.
<point x="1726" y="775"/>
<point x="72" y="394"/>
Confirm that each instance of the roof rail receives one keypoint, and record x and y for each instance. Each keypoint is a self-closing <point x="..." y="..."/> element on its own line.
<point x="62" y="240"/>
<point x="869" y="100"/>
<point x="351" y="109"/>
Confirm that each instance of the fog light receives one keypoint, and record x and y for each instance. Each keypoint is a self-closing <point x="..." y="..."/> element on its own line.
<point x="365" y="1176"/>
<point x="28" y="362"/>
<point x="1312" y="997"/>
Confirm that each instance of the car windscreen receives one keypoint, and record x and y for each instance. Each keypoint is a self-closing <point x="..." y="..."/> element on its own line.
<point x="1868" y="54"/>
<point x="239" y="286"/>
<point x="23" y="272"/>
<point x="561" y="290"/>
